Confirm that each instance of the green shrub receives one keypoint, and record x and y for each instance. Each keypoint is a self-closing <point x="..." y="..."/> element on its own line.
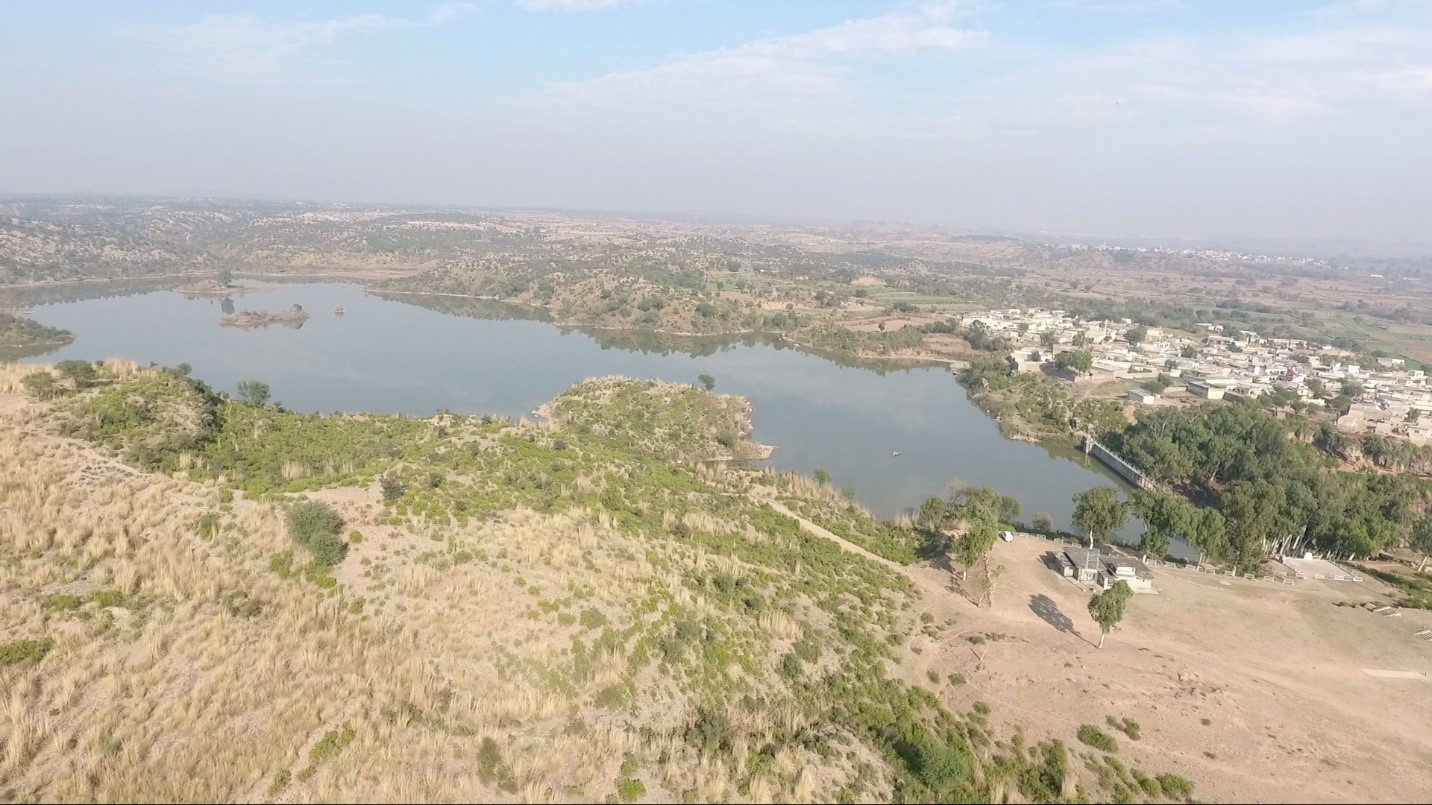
<point x="1175" y="786"/>
<point x="280" y="782"/>
<point x="630" y="790"/>
<point x="392" y="487"/>
<point x="791" y="666"/>
<point x="42" y="385"/>
<point x="63" y="602"/>
<point x="1128" y="726"/>
<point x="331" y="744"/>
<point x="1097" y="738"/>
<point x="940" y="766"/>
<point x="489" y="760"/>
<point x="592" y="618"/>
<point x="25" y="651"/>
<point x="109" y="598"/>
<point x="315" y="525"/>
<point x="282" y="564"/>
<point x="207" y="526"/>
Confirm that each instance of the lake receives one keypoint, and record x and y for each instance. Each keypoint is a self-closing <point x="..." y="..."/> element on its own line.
<point x="391" y="356"/>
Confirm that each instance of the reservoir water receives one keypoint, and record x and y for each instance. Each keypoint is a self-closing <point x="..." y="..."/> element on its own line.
<point x="392" y="356"/>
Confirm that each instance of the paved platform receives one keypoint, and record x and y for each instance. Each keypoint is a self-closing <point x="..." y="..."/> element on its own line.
<point x="1318" y="569"/>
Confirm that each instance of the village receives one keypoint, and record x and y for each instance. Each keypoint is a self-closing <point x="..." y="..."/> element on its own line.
<point x="1368" y="396"/>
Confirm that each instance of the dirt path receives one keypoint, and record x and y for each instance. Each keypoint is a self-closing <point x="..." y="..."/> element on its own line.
<point x="935" y="583"/>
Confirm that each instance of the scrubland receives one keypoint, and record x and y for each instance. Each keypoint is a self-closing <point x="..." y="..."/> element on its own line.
<point x="523" y="611"/>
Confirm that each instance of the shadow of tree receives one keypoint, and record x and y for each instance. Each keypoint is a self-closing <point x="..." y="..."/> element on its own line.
<point x="1049" y="612"/>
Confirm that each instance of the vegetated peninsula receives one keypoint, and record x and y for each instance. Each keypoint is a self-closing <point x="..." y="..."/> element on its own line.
<point x="583" y="608"/>
<point x="21" y="337"/>
<point x="294" y="317"/>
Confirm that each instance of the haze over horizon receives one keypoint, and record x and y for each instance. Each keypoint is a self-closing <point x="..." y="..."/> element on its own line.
<point x="1276" y="120"/>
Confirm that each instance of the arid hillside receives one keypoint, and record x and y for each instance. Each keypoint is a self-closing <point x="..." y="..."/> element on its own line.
<point x="205" y="599"/>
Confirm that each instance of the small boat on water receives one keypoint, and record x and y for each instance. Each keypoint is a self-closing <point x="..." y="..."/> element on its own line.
<point x="339" y="311"/>
<point x="894" y="453"/>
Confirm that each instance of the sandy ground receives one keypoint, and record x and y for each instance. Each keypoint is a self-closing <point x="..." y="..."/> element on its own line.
<point x="1255" y="690"/>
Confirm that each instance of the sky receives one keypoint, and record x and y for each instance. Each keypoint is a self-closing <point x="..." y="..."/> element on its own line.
<point x="1162" y="118"/>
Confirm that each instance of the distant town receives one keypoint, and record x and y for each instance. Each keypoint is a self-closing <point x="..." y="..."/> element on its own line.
<point x="1380" y="396"/>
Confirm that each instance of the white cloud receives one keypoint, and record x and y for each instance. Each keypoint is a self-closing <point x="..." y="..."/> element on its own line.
<point x="806" y="66"/>
<point x="242" y="47"/>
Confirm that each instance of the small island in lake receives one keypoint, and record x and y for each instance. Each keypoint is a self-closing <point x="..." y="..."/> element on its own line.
<point x="223" y="285"/>
<point x="293" y="317"/>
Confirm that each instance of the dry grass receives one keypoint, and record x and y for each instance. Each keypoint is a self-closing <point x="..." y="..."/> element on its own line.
<point x="175" y="693"/>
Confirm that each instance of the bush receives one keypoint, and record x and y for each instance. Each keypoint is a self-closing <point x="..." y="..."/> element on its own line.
<point x="25" y="651"/>
<point x="1128" y="726"/>
<point x="109" y="598"/>
<point x="940" y="766"/>
<point x="282" y="564"/>
<point x="489" y="759"/>
<point x="80" y="373"/>
<point x="1175" y="786"/>
<point x="630" y="790"/>
<point x="1097" y="738"/>
<point x="392" y="487"/>
<point x="63" y="603"/>
<point x="315" y="525"/>
<point x="42" y="385"/>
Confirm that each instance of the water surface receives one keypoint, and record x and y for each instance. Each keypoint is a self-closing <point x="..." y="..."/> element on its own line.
<point x="391" y="356"/>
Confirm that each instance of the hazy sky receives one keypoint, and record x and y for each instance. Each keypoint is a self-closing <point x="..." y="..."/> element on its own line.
<point x="1200" y="117"/>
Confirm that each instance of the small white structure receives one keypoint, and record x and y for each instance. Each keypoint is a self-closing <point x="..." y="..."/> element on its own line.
<point x="1143" y="397"/>
<point x="1007" y="536"/>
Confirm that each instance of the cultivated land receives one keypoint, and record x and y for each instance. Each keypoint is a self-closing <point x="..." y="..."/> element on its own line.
<point x="581" y="608"/>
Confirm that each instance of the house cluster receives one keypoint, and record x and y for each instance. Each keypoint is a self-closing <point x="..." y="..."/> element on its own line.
<point x="1388" y="398"/>
<point x="1206" y="254"/>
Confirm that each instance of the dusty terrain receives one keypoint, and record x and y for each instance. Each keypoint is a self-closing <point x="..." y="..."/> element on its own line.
<point x="1256" y="690"/>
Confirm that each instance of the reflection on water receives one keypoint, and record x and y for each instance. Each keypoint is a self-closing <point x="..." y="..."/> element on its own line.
<point x="418" y="355"/>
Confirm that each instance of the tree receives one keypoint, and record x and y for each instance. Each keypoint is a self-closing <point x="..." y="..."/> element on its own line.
<point x="1077" y="361"/>
<point x="1159" y="384"/>
<point x="1099" y="512"/>
<point x="821" y="476"/>
<point x="226" y="277"/>
<point x="1136" y="335"/>
<point x="1081" y="340"/>
<point x="1165" y="516"/>
<point x="1044" y="521"/>
<point x="1009" y="508"/>
<point x="707" y="381"/>
<point x="226" y="306"/>
<point x="1188" y="351"/>
<point x="43" y="385"/>
<point x="253" y="392"/>
<point x="1255" y="511"/>
<point x="392" y="486"/>
<point x="1107" y="608"/>
<point x="1048" y="339"/>
<point x="81" y="373"/>
<point x="932" y="513"/>
<point x="1422" y="540"/>
<point x="975" y="545"/>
